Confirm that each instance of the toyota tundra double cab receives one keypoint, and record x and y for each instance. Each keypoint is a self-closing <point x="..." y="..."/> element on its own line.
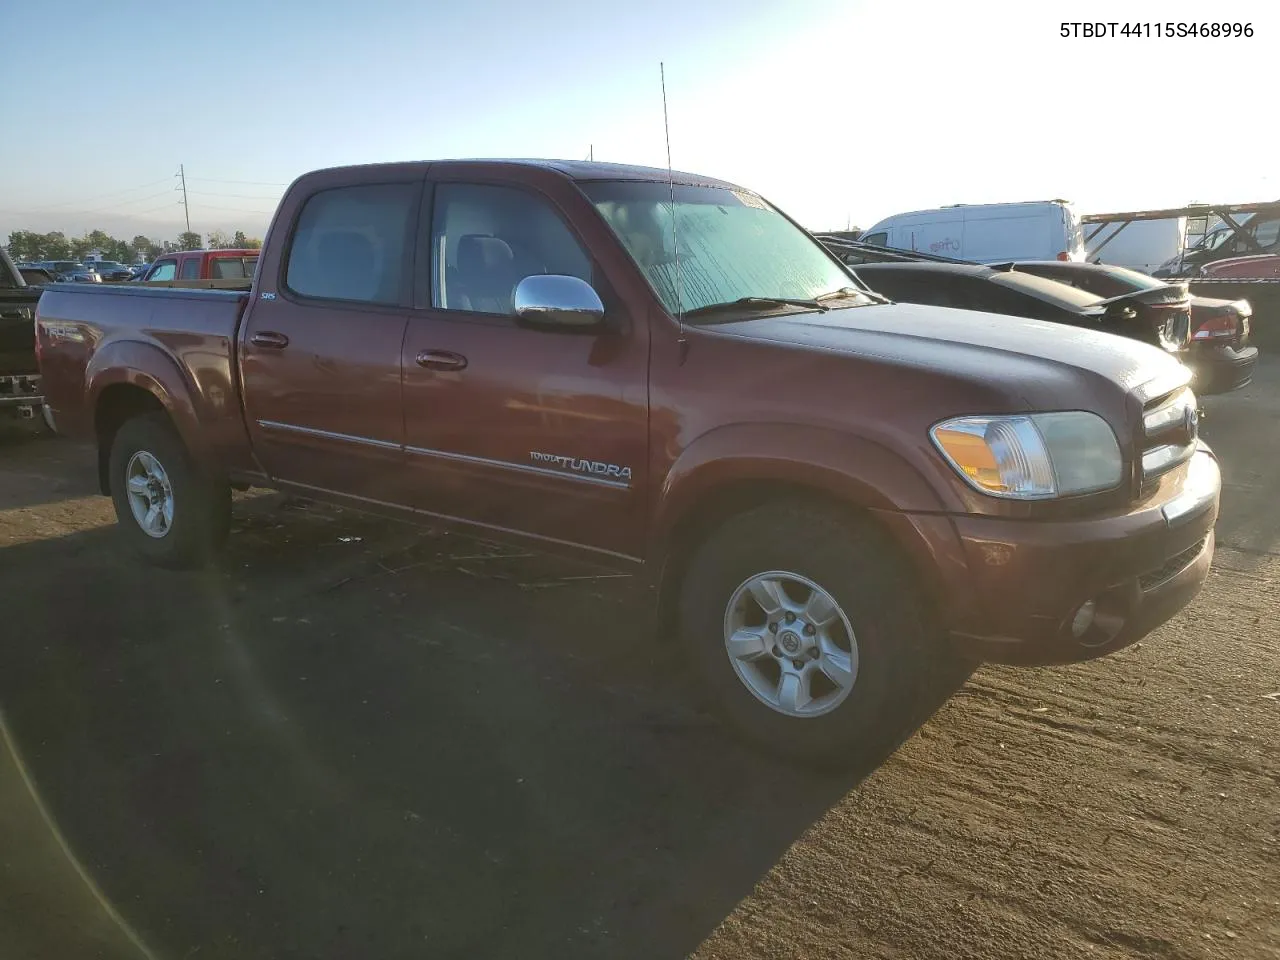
<point x="831" y="494"/>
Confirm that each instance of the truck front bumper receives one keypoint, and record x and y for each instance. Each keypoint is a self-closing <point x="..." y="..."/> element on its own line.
<point x="1058" y="592"/>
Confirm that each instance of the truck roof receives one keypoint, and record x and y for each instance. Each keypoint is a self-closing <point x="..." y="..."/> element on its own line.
<point x="580" y="170"/>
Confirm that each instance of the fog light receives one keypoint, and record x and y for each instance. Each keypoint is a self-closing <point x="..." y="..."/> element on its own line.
<point x="1083" y="619"/>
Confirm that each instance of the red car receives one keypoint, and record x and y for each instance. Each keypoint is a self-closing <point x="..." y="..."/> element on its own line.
<point x="1264" y="266"/>
<point x="1219" y="354"/>
<point x="203" y="265"/>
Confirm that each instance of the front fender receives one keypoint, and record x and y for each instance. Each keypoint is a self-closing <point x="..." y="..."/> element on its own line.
<point x="852" y="469"/>
<point x="150" y="368"/>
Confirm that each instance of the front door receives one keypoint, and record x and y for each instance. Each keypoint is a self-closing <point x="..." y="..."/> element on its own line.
<point x="321" y="347"/>
<point x="532" y="431"/>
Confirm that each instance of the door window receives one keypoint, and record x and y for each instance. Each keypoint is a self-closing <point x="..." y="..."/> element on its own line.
<point x="1267" y="233"/>
<point x="191" y="268"/>
<point x="351" y="243"/>
<point x="486" y="239"/>
<point x="164" y="270"/>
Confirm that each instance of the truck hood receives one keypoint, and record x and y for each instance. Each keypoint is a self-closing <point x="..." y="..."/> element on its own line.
<point x="1014" y="352"/>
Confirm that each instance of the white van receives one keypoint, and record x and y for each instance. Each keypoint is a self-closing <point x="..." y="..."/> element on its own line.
<point x="1142" y="245"/>
<point x="986" y="232"/>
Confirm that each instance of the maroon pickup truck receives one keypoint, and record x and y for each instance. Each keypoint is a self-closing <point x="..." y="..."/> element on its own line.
<point x="831" y="494"/>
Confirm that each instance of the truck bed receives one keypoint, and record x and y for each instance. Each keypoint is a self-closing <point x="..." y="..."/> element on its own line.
<point x="190" y="334"/>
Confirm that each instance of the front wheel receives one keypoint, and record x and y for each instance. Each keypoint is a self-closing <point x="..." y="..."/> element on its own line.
<point x="171" y="514"/>
<point x="809" y="632"/>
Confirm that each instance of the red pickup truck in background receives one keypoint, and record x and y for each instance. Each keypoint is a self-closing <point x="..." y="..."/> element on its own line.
<point x="203" y="265"/>
<point x="830" y="493"/>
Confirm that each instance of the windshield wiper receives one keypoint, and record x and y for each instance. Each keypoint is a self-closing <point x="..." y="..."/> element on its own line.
<point x="754" y="301"/>
<point x="851" y="291"/>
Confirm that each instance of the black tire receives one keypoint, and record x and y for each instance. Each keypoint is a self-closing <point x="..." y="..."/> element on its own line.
<point x="201" y="504"/>
<point x="899" y="655"/>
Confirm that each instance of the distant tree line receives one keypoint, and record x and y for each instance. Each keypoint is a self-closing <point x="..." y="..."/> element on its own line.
<point x="27" y="245"/>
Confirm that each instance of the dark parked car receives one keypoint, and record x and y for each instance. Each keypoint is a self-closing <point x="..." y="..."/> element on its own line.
<point x="1161" y="317"/>
<point x="1219" y="353"/>
<point x="21" y="394"/>
<point x="35" y="276"/>
<point x="111" y="271"/>
<point x="70" y="271"/>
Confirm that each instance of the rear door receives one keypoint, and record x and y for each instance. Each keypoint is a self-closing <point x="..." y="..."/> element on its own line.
<point x="321" y="344"/>
<point x="534" y="431"/>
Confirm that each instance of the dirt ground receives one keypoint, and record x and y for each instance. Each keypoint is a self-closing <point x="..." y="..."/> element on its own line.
<point x="359" y="739"/>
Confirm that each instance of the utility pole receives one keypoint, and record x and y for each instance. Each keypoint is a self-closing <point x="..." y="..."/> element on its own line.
<point x="182" y="173"/>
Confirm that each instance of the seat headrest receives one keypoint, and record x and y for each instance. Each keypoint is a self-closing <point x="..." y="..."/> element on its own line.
<point x="478" y="253"/>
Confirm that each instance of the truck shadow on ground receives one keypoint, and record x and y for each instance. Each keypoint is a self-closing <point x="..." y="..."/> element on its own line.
<point x="353" y="739"/>
<point x="42" y="469"/>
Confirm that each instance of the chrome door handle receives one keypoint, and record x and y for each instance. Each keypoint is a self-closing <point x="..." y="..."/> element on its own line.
<point x="269" y="338"/>
<point x="442" y="360"/>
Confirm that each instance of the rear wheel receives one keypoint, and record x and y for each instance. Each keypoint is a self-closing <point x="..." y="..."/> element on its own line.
<point x="170" y="513"/>
<point x="809" y="632"/>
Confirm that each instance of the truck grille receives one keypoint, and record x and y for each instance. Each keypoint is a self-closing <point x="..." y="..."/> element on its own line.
<point x="1173" y="566"/>
<point x="1168" y="435"/>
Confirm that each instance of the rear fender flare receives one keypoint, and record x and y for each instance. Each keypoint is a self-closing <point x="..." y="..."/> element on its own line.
<point x="150" y="368"/>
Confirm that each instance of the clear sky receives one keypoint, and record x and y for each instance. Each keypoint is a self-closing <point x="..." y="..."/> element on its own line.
<point x="836" y="110"/>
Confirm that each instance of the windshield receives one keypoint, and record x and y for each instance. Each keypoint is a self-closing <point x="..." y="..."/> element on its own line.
<point x="1132" y="280"/>
<point x="1214" y="240"/>
<point x="732" y="245"/>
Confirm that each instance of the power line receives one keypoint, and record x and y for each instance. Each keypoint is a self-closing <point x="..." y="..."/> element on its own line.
<point x="252" y="183"/>
<point x="264" y="213"/>
<point x="238" y="196"/>
<point x="170" y="204"/>
<point x="116" y="193"/>
<point x="125" y="203"/>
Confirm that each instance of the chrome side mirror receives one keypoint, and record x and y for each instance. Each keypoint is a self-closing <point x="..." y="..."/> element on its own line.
<point x="551" y="300"/>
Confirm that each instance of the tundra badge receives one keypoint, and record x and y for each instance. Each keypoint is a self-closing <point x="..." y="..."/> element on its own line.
<point x="596" y="467"/>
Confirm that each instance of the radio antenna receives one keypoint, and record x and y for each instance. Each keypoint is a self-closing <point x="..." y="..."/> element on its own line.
<point x="675" y="240"/>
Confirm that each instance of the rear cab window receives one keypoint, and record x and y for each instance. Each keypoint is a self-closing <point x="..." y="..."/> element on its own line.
<point x="232" y="268"/>
<point x="352" y="243"/>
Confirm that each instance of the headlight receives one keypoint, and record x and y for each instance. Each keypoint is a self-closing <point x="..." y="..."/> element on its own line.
<point x="1033" y="457"/>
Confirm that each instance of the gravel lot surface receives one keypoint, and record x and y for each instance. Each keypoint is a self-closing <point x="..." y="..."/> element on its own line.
<point x="359" y="739"/>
